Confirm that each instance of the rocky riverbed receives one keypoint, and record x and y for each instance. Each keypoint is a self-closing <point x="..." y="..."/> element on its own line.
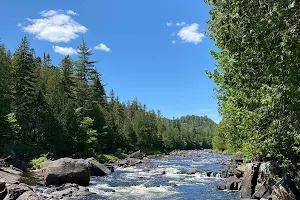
<point x="178" y="175"/>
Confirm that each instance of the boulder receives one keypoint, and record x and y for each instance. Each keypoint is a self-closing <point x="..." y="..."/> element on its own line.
<point x="96" y="168"/>
<point x="221" y="186"/>
<point x="45" y="164"/>
<point x="9" y="175"/>
<point x="137" y="154"/>
<point x="264" y="183"/>
<point x="29" y="195"/>
<point x="209" y="173"/>
<point x="238" y="158"/>
<point x="226" y="173"/>
<point x="17" y="163"/>
<point x="3" y="190"/>
<point x="233" y="183"/>
<point x="285" y="189"/>
<point x="70" y="190"/>
<point x="66" y="170"/>
<point x="191" y="171"/>
<point x="249" y="180"/>
<point x="14" y="191"/>
<point x="65" y="191"/>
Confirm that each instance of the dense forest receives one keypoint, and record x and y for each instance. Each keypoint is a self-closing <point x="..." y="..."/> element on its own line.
<point x="64" y="111"/>
<point x="257" y="75"/>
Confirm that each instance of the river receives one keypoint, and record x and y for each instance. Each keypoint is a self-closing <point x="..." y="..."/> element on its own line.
<point x="165" y="177"/>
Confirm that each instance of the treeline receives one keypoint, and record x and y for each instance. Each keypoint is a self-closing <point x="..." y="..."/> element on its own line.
<point x="258" y="77"/>
<point x="64" y="111"/>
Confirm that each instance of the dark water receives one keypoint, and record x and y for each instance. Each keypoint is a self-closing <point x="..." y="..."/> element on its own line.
<point x="147" y="181"/>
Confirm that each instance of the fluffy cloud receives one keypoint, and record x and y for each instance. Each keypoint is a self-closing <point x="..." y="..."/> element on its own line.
<point x="64" y="50"/>
<point x="71" y="12"/>
<point x="102" y="47"/>
<point x="48" y="13"/>
<point x="55" y="26"/>
<point x="191" y="34"/>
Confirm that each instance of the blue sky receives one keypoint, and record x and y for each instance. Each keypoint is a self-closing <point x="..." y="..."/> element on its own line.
<point x="150" y="49"/>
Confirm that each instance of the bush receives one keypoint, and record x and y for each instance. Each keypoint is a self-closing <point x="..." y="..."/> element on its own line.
<point x="38" y="161"/>
<point x="152" y="152"/>
<point x="105" y="158"/>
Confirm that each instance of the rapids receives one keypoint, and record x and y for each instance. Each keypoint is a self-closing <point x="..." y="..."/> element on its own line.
<point x="165" y="178"/>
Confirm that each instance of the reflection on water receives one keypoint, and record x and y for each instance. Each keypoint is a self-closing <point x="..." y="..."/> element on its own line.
<point x="164" y="178"/>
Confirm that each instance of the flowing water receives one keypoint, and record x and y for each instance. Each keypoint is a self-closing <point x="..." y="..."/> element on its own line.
<point x="164" y="178"/>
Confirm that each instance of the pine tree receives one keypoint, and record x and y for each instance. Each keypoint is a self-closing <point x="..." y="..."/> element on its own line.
<point x="6" y="80"/>
<point x="98" y="91"/>
<point x="23" y="63"/>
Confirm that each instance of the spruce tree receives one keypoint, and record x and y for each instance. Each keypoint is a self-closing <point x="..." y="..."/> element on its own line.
<point x="25" y="91"/>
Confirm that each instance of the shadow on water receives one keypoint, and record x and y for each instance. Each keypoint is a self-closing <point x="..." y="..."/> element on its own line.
<point x="32" y="178"/>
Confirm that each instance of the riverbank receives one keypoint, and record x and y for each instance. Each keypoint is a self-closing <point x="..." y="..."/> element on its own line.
<point x="258" y="179"/>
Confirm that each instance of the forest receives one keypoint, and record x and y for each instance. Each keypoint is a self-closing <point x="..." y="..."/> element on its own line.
<point x="64" y="111"/>
<point x="257" y="76"/>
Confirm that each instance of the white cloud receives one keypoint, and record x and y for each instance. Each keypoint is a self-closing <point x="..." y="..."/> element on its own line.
<point x="173" y="42"/>
<point x="71" y="12"/>
<point x="102" y="47"/>
<point x="191" y="34"/>
<point x="54" y="26"/>
<point x="169" y="24"/>
<point x="64" y="50"/>
<point x="48" y="13"/>
<point x="180" y="24"/>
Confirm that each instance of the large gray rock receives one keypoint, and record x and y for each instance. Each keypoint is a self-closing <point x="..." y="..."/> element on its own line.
<point x="249" y="180"/>
<point x="233" y="183"/>
<point x="96" y="168"/>
<point x="66" y="170"/>
<point x="14" y="191"/>
<point x="29" y="195"/>
<point x="137" y="154"/>
<point x="264" y="183"/>
<point x="17" y="163"/>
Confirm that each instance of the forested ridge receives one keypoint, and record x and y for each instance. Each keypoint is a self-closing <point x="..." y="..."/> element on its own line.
<point x="64" y="111"/>
<point x="258" y="78"/>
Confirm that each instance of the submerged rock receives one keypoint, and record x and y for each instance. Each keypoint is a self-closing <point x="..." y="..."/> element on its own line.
<point x="67" y="170"/>
<point x="65" y="191"/>
<point x="191" y="171"/>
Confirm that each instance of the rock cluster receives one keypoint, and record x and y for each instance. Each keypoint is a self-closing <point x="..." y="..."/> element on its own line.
<point x="257" y="180"/>
<point x="65" y="178"/>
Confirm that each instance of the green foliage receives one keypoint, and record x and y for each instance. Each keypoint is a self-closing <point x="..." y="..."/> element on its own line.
<point x="65" y="111"/>
<point x="152" y="152"/>
<point x="257" y="77"/>
<point x="105" y="158"/>
<point x="38" y="161"/>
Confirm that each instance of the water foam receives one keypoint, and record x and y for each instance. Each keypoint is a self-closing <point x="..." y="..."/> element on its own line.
<point x="135" y="192"/>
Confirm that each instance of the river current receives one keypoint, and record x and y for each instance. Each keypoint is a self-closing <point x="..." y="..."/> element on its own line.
<point x="165" y="177"/>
